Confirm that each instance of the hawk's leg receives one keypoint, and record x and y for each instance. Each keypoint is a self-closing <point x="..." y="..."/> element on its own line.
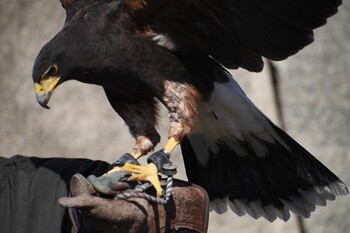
<point x="141" y="118"/>
<point x="181" y="100"/>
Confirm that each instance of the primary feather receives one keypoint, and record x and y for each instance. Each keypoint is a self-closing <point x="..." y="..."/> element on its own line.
<point x="247" y="164"/>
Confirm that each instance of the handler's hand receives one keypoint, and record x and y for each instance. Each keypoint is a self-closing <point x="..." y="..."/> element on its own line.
<point x="186" y="209"/>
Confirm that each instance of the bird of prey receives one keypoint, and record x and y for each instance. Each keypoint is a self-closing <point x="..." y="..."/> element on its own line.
<point x="175" y="52"/>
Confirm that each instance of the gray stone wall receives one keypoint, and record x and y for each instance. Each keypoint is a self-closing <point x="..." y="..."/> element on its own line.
<point x="315" y="99"/>
<point x="316" y="104"/>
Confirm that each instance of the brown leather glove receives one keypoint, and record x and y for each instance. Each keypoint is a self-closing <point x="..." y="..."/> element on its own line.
<point x="186" y="211"/>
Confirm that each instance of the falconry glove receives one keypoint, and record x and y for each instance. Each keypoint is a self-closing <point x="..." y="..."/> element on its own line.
<point x="186" y="211"/>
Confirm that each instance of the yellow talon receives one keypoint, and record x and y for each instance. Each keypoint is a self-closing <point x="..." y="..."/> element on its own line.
<point x="136" y="155"/>
<point x="145" y="173"/>
<point x="149" y="172"/>
<point x="115" y="169"/>
<point x="170" y="145"/>
<point x="142" y="173"/>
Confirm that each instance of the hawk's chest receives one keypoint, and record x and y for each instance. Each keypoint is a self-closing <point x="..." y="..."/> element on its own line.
<point x="122" y="83"/>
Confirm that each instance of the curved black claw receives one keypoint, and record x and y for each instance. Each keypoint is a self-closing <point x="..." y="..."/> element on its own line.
<point x="111" y="184"/>
<point x="125" y="158"/>
<point x="164" y="165"/>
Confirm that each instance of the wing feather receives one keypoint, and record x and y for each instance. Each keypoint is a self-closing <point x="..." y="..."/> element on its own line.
<point x="236" y="33"/>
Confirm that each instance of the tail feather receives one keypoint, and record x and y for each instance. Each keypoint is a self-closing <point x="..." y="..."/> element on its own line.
<point x="251" y="166"/>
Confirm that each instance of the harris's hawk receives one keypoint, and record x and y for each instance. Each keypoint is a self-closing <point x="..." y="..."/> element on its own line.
<point x="143" y="52"/>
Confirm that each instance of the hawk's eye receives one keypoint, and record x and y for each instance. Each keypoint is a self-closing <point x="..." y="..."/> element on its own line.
<point x="52" y="71"/>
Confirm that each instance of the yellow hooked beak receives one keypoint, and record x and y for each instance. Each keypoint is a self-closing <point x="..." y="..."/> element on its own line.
<point x="47" y="85"/>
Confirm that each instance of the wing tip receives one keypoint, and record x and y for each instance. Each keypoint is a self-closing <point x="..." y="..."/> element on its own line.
<point x="302" y="205"/>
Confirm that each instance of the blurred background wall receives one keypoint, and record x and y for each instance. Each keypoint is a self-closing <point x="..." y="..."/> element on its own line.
<point x="314" y="91"/>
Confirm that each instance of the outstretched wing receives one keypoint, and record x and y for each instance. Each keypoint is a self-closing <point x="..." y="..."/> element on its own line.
<point x="235" y="33"/>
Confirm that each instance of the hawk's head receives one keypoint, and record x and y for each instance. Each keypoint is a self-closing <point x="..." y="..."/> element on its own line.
<point x="78" y="49"/>
<point x="46" y="76"/>
<point x="49" y="71"/>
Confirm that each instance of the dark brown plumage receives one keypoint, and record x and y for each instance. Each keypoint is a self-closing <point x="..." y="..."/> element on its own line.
<point x="173" y="52"/>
